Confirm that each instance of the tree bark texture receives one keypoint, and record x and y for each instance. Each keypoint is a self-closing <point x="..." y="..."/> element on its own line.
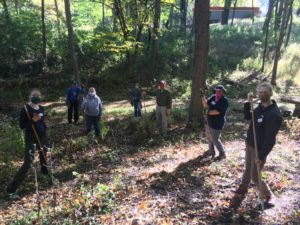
<point x="72" y="53"/>
<point x="200" y="59"/>
<point x="225" y="13"/>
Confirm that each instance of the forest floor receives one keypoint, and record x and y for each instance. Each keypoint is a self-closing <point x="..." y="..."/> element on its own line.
<point x="132" y="178"/>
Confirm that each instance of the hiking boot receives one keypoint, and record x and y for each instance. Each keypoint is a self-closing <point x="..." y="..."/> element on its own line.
<point x="242" y="189"/>
<point x="221" y="156"/>
<point x="11" y="193"/>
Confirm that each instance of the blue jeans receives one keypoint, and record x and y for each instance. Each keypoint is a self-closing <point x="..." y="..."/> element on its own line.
<point x="137" y="108"/>
<point x="92" y="120"/>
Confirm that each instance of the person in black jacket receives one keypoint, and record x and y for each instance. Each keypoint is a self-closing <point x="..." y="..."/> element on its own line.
<point x="267" y="120"/>
<point x="136" y="95"/>
<point x="37" y="119"/>
<point x="216" y="117"/>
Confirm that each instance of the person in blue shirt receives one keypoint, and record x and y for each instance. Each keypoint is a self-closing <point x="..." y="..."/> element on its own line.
<point x="216" y="117"/>
<point x="31" y="115"/>
<point x="73" y="101"/>
<point x="136" y="94"/>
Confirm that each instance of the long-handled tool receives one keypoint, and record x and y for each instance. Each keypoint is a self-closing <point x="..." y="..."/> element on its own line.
<point x="256" y="152"/>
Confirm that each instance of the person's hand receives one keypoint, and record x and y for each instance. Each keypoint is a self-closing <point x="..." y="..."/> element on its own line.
<point x="36" y="117"/>
<point x="258" y="162"/>
<point x="168" y="112"/>
<point x="250" y="97"/>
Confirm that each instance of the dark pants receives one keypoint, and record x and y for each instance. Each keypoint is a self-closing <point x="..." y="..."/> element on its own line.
<point x="73" y="107"/>
<point x="28" y="159"/>
<point x="137" y="108"/>
<point x="92" y="120"/>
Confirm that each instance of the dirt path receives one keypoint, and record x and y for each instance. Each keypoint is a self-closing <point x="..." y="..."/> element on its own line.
<point x="172" y="182"/>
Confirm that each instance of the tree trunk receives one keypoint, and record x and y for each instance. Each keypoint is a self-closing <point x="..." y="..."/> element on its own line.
<point x="278" y="14"/>
<point x="17" y="6"/>
<point x="233" y="13"/>
<point x="154" y="37"/>
<point x="266" y="31"/>
<point x="5" y="9"/>
<point x="72" y="53"/>
<point x="44" y="50"/>
<point x="120" y="15"/>
<point x="269" y="14"/>
<point x="103" y="13"/>
<point x="279" y="42"/>
<point x="57" y="18"/>
<point x="225" y="13"/>
<point x="183" y="13"/>
<point x="252" y="5"/>
<point x="200" y="60"/>
<point x="169" y="24"/>
<point x="290" y="25"/>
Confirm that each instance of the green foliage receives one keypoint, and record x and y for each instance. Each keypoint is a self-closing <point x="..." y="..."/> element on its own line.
<point x="179" y="115"/>
<point x="80" y="142"/>
<point x="230" y="45"/>
<point x="11" y="141"/>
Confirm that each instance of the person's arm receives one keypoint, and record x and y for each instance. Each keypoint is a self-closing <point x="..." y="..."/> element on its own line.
<point x="204" y="102"/>
<point x="24" y="122"/>
<point x="169" y="101"/>
<point x="247" y="107"/>
<point x="100" y="108"/>
<point x="272" y="127"/>
<point x="83" y="105"/>
<point x="68" y="96"/>
<point x="220" y="108"/>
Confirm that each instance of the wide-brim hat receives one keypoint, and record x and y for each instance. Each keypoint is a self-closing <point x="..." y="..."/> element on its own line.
<point x="220" y="87"/>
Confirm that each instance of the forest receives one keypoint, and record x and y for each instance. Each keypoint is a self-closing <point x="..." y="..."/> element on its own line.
<point x="150" y="112"/>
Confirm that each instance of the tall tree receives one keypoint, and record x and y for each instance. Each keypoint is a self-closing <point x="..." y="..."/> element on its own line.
<point x="225" y="13"/>
<point x="201" y="15"/>
<point x="103" y="13"/>
<point x="17" y="6"/>
<point x="233" y="13"/>
<point x="266" y="31"/>
<point x="154" y="37"/>
<point x="284" y="17"/>
<point x="5" y="9"/>
<point x="44" y="49"/>
<point x="57" y="17"/>
<point x="72" y="53"/>
<point x="290" y="22"/>
<point x="183" y="13"/>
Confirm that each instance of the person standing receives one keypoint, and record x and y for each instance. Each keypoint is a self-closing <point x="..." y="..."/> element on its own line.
<point x="136" y="95"/>
<point x="93" y="111"/>
<point x="267" y="120"/>
<point x="72" y="101"/>
<point x="217" y="105"/>
<point x="32" y="118"/>
<point x="163" y="107"/>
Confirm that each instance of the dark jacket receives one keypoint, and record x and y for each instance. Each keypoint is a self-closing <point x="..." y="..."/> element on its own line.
<point x="218" y="121"/>
<point x="163" y="98"/>
<point x="136" y="94"/>
<point x="267" y="123"/>
<point x="73" y="94"/>
<point x="26" y="124"/>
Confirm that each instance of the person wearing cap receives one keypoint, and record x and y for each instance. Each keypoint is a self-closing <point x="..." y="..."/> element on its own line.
<point x="163" y="107"/>
<point x="217" y="105"/>
<point x="93" y="111"/>
<point x="267" y="124"/>
<point x="136" y="94"/>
